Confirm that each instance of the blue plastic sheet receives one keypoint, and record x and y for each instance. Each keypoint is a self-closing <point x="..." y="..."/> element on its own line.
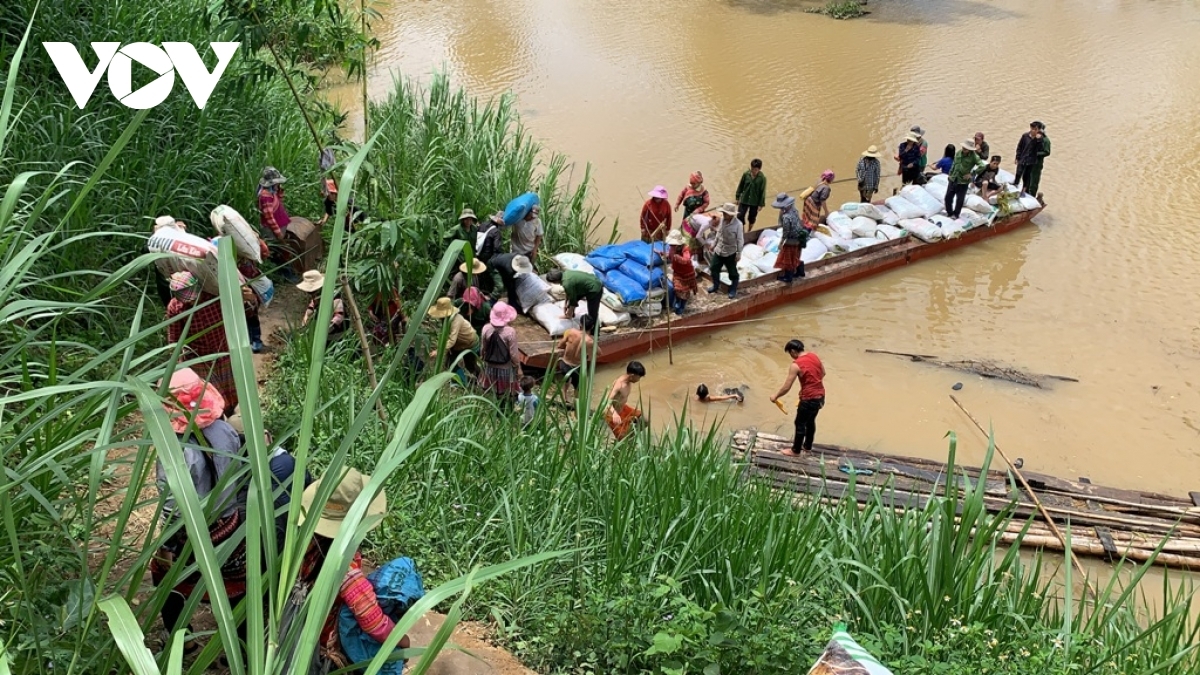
<point x="520" y="207"/>
<point x="627" y="288"/>
<point x="604" y="263"/>
<point x="609" y="251"/>
<point x="644" y="276"/>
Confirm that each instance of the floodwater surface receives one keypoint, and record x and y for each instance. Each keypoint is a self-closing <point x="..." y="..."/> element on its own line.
<point x="1103" y="287"/>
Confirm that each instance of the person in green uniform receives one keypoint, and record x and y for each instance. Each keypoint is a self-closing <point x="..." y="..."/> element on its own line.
<point x="1035" y="175"/>
<point x="751" y="193"/>
<point x="579" y="286"/>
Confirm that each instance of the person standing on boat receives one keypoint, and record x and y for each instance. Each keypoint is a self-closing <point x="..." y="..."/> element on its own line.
<point x="726" y="249"/>
<point x="693" y="198"/>
<point x="807" y="368"/>
<point x="527" y="235"/>
<point x="1028" y="150"/>
<point x="788" y="261"/>
<point x="683" y="273"/>
<point x="867" y="172"/>
<point x="924" y="146"/>
<point x="966" y="163"/>
<point x="1035" y="174"/>
<point x="656" y="215"/>
<point x="751" y="193"/>
<point x="816" y="204"/>
<point x="909" y="157"/>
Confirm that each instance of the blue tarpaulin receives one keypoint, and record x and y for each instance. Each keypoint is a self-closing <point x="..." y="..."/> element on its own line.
<point x="644" y="276"/>
<point x="629" y="290"/>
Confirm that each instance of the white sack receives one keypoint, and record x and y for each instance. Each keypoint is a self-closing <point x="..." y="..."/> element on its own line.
<point x="550" y="316"/>
<point x="904" y="209"/>
<point x="1004" y="177"/>
<point x="533" y="290"/>
<point x="766" y="264"/>
<point x="887" y="232"/>
<point x="813" y="251"/>
<point x="1030" y="203"/>
<point x="230" y="223"/>
<point x="937" y="191"/>
<point x="862" y="242"/>
<point x="939" y="179"/>
<point x="889" y="216"/>
<point x="861" y="226"/>
<point x="950" y="227"/>
<point x="840" y="225"/>
<point x="752" y="252"/>
<point x="856" y="209"/>
<point x="574" y="262"/>
<point x="922" y="229"/>
<point x="977" y="204"/>
<point x="919" y="196"/>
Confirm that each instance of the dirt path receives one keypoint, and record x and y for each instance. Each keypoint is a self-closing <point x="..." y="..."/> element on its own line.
<point x="470" y="651"/>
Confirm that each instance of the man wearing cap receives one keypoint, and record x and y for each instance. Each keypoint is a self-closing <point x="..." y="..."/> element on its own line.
<point x="527" y="235"/>
<point x="726" y="247"/>
<point x="1028" y="151"/>
<point x="578" y="286"/>
<point x="788" y="261"/>
<point x="966" y="163"/>
<point x="506" y="267"/>
<point x="656" y="215"/>
<point x="867" y="172"/>
<point x="1035" y="174"/>
<point x="751" y="194"/>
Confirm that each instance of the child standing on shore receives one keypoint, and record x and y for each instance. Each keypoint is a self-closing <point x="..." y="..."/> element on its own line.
<point x="527" y="401"/>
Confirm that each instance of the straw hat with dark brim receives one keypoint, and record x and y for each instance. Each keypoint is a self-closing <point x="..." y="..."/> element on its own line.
<point x="331" y="517"/>
<point x="313" y="281"/>
<point x="442" y="309"/>
<point x="872" y="151"/>
<point x="467" y="213"/>
<point x="969" y="145"/>
<point x="477" y="267"/>
<point x="521" y="265"/>
<point x="912" y="138"/>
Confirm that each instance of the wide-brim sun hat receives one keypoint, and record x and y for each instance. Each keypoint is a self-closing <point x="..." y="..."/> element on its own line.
<point x="272" y="176"/>
<point x="313" y="281"/>
<point x="521" y="265"/>
<point x="337" y="507"/>
<point x="442" y="309"/>
<point x="675" y="238"/>
<point x="191" y="399"/>
<point x="872" y="151"/>
<point x="783" y="200"/>
<point x="659" y="192"/>
<point x="467" y="213"/>
<point x="918" y="131"/>
<point x="477" y="267"/>
<point x="912" y="138"/>
<point x="728" y="209"/>
<point x="502" y="314"/>
<point x="969" y="145"/>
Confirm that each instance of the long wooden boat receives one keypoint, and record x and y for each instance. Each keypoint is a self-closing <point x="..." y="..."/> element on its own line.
<point x="1105" y="522"/>
<point x="758" y="295"/>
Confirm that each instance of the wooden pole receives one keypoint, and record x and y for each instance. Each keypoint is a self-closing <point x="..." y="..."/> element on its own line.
<point x="362" y="340"/>
<point x="1032" y="495"/>
<point x="670" y="342"/>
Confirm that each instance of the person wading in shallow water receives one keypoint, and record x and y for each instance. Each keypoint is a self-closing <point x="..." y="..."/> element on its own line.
<point x="620" y="415"/>
<point x="808" y="369"/>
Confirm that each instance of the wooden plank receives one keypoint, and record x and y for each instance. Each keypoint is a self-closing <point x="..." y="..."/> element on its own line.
<point x="1195" y="498"/>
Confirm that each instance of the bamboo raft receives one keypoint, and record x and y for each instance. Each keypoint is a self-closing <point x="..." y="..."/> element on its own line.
<point x="1108" y="523"/>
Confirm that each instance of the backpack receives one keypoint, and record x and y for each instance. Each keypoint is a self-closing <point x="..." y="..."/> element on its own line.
<point x="495" y="350"/>
<point x="481" y="237"/>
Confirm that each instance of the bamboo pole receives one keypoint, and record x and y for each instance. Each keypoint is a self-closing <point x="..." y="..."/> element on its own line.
<point x="1032" y="495"/>
<point x="366" y="346"/>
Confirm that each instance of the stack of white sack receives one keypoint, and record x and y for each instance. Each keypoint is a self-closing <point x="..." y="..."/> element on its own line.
<point x="863" y="242"/>
<point x="904" y="209"/>
<point x="574" y="262"/>
<point x="861" y="226"/>
<point x="856" y="209"/>
<point x="937" y="190"/>
<point x="922" y="199"/>
<point x="939" y="179"/>
<point x="766" y="264"/>
<point x="951" y="228"/>
<point x="1005" y="178"/>
<point x="813" y="251"/>
<point x="551" y="317"/>
<point x="769" y="240"/>
<point x="840" y="225"/>
<point x="889" y="216"/>
<point x="832" y="243"/>
<point x="608" y="317"/>
<point x="922" y="229"/>
<point x="752" y="252"/>
<point x="887" y="232"/>
<point x="974" y="219"/>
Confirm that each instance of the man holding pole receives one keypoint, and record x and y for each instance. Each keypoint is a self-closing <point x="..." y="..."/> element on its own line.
<point x="806" y="367"/>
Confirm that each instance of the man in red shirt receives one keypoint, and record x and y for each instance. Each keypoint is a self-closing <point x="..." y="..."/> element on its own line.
<point x="807" y="367"/>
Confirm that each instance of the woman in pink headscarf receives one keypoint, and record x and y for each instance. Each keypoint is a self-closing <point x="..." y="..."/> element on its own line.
<point x="816" y="205"/>
<point x="693" y="198"/>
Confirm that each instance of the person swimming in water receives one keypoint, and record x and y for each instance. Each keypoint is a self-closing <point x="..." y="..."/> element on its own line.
<point x="703" y="396"/>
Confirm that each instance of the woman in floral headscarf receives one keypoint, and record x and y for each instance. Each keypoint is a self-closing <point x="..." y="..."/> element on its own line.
<point x="694" y="199"/>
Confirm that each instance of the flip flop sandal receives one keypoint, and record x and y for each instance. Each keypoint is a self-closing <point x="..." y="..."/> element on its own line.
<point x="848" y="468"/>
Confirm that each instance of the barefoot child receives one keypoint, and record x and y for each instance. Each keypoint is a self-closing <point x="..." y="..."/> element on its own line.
<point x="527" y="401"/>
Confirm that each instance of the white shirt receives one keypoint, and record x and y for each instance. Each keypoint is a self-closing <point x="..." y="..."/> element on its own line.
<point x="524" y="236"/>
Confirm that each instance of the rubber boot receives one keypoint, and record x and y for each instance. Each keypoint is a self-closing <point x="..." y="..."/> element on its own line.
<point x="800" y="270"/>
<point x="785" y="278"/>
<point x="733" y="290"/>
<point x="716" y="287"/>
<point x="679" y="307"/>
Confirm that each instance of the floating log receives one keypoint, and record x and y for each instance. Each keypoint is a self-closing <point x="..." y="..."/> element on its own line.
<point x="1105" y="522"/>
<point x="982" y="368"/>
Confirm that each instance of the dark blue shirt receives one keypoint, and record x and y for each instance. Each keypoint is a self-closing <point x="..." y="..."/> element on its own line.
<point x="943" y="165"/>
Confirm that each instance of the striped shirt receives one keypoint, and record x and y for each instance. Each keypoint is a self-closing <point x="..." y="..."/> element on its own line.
<point x="867" y="172"/>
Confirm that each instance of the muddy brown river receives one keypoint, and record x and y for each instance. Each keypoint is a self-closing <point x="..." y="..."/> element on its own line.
<point x="1104" y="287"/>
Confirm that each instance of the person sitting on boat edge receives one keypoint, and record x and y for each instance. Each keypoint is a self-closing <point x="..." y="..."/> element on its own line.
<point x="806" y="367"/>
<point x="703" y="396"/>
<point x="619" y="414"/>
<point x="683" y="273"/>
<point x="726" y="248"/>
<point x="795" y="235"/>
<point x="986" y="181"/>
